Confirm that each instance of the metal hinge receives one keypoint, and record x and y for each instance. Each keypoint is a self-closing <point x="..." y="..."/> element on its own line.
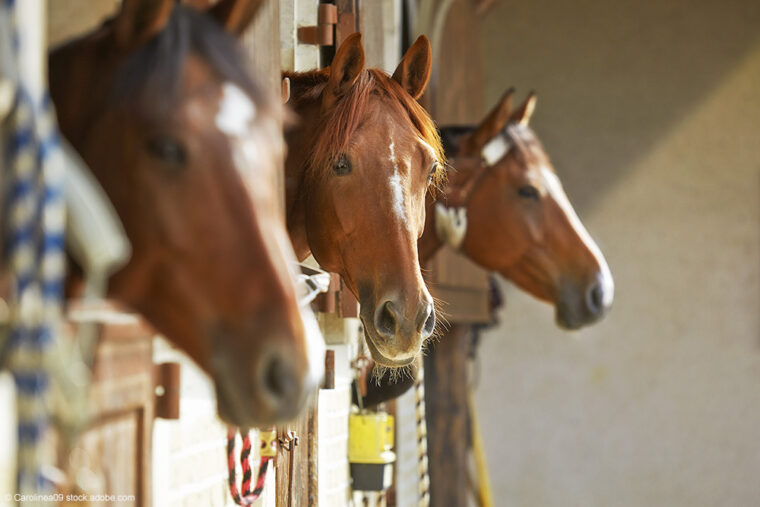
<point x="323" y="33"/>
<point x="167" y="385"/>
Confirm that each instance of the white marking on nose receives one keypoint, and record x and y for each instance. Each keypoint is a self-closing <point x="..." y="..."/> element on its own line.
<point x="236" y="111"/>
<point x="554" y="187"/>
<point x="397" y="188"/>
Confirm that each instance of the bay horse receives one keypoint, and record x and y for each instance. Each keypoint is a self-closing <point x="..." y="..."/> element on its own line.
<point x="360" y="163"/>
<point x="160" y="105"/>
<point x="504" y="208"/>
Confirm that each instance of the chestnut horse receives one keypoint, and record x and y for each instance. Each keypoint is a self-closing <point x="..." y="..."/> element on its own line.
<point x="504" y="207"/>
<point x="160" y="105"/>
<point x="360" y="164"/>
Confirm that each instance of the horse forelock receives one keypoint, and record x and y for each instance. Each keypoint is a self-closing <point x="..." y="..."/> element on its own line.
<point x="151" y="78"/>
<point x="338" y="125"/>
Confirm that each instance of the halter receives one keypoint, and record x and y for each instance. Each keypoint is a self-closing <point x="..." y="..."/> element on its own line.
<point x="500" y="144"/>
<point x="451" y="222"/>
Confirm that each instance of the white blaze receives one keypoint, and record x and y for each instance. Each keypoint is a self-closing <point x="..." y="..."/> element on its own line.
<point x="236" y="111"/>
<point x="397" y="188"/>
<point x="235" y="119"/>
<point x="554" y="187"/>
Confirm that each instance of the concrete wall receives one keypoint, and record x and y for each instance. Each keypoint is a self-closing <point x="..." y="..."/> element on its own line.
<point x="651" y="113"/>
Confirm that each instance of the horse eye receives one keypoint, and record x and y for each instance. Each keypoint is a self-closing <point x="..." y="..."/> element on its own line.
<point x="433" y="169"/>
<point x="342" y="165"/>
<point x="528" y="192"/>
<point x="168" y="150"/>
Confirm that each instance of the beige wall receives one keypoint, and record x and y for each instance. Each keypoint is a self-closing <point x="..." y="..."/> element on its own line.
<point x="651" y="112"/>
<point x="70" y="18"/>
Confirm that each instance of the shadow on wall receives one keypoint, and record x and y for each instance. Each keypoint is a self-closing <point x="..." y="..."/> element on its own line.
<point x="612" y="77"/>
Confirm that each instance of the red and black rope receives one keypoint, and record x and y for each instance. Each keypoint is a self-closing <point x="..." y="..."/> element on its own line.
<point x="244" y="496"/>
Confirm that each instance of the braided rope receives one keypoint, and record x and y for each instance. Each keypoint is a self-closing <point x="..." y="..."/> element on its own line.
<point x="422" y="456"/>
<point x="33" y="250"/>
<point x="244" y="496"/>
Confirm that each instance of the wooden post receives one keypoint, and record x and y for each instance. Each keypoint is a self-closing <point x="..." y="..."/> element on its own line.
<point x="447" y="419"/>
<point x="456" y="93"/>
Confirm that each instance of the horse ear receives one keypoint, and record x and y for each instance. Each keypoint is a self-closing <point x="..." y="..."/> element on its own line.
<point x="413" y="72"/>
<point x="523" y="113"/>
<point x="139" y="20"/>
<point x="495" y="121"/>
<point x="235" y="15"/>
<point x="345" y="69"/>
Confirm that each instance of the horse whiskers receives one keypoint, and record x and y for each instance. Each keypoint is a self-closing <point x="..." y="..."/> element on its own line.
<point x="442" y="324"/>
<point x="379" y="373"/>
<point x="390" y="375"/>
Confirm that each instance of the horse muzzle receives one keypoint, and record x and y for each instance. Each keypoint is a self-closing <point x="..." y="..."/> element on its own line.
<point x="396" y="327"/>
<point x="579" y="306"/>
<point x="273" y="389"/>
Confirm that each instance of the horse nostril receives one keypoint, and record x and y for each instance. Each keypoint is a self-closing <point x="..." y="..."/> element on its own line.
<point x="385" y="320"/>
<point x="429" y="326"/>
<point x="595" y="298"/>
<point x="280" y="380"/>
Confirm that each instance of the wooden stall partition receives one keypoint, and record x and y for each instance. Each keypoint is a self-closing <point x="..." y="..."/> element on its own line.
<point x="112" y="458"/>
<point x="381" y="33"/>
<point x="454" y="96"/>
<point x="310" y="32"/>
<point x="301" y="24"/>
<point x="463" y="286"/>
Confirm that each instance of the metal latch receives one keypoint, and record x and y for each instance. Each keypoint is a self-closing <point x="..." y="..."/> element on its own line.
<point x="323" y="33"/>
<point x="268" y="441"/>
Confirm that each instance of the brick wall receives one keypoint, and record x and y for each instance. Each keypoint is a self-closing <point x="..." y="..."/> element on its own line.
<point x="334" y="408"/>
<point x="407" y="485"/>
<point x="189" y="464"/>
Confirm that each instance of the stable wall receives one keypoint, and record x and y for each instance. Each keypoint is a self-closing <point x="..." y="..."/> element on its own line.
<point x="651" y="113"/>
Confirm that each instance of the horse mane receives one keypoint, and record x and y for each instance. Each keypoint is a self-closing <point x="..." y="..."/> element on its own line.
<point x="339" y="124"/>
<point x="153" y="74"/>
<point x="451" y="136"/>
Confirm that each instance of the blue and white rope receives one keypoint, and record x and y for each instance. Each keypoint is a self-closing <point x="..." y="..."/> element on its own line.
<point x="33" y="252"/>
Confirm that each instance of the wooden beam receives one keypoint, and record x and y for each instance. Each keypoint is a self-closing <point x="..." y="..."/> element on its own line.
<point x="447" y="417"/>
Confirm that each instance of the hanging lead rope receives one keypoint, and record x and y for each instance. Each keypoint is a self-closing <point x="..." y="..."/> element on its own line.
<point x="246" y="496"/>
<point x="422" y="456"/>
<point x="309" y="283"/>
<point x="32" y="245"/>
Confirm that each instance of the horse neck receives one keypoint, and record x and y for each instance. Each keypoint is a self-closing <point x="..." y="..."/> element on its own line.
<point x="300" y="140"/>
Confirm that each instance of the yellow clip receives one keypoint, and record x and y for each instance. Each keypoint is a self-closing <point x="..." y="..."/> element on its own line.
<point x="268" y="439"/>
